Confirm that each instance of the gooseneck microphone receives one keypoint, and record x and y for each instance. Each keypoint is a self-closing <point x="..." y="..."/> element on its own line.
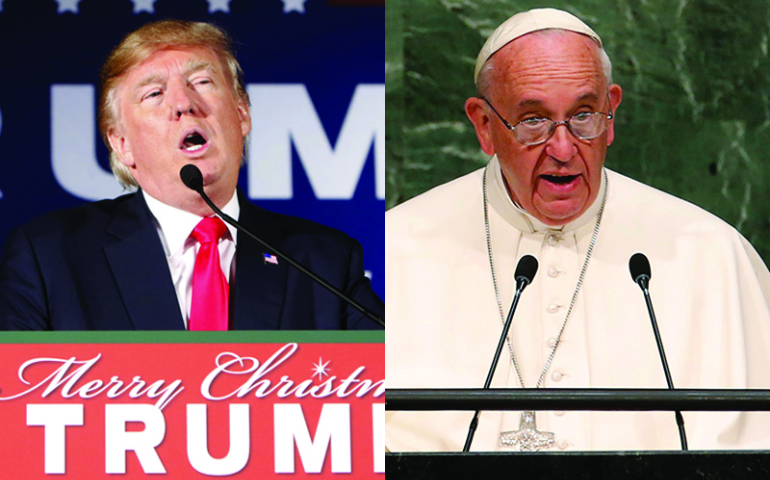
<point x="193" y="179"/>
<point x="525" y="272"/>
<point x="641" y="273"/>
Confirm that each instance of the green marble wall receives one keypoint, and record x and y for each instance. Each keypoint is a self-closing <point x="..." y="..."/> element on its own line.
<point x="695" y="117"/>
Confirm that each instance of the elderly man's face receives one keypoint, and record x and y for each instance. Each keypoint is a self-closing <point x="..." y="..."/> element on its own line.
<point x="547" y="75"/>
<point x="176" y="108"/>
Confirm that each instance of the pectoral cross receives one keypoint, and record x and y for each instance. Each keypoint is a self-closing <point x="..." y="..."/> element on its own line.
<point x="527" y="437"/>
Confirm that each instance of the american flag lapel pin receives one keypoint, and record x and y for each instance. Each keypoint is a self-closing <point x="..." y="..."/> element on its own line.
<point x="270" y="259"/>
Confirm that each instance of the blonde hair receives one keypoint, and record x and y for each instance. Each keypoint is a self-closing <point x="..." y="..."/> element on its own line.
<point x="139" y="45"/>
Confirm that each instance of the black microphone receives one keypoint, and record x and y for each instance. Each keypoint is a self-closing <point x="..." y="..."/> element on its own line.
<point x="641" y="273"/>
<point x="525" y="272"/>
<point x="193" y="179"/>
<point x="640" y="270"/>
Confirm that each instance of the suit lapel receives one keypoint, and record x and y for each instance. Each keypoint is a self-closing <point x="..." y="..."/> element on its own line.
<point x="260" y="286"/>
<point x="140" y="268"/>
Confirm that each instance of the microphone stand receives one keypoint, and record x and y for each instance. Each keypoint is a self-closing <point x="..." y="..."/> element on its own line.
<point x="643" y="284"/>
<point x="197" y="185"/>
<point x="522" y="282"/>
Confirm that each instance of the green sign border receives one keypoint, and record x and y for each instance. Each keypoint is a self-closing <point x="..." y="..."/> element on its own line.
<point x="250" y="336"/>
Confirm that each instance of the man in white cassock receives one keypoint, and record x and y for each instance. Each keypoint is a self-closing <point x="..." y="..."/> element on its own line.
<point x="544" y="114"/>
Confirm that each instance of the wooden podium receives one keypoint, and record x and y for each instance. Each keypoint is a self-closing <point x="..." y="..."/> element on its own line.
<point x="630" y="465"/>
<point x="580" y="465"/>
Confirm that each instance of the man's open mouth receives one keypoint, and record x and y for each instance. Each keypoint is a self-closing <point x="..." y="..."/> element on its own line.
<point x="193" y="142"/>
<point x="559" y="179"/>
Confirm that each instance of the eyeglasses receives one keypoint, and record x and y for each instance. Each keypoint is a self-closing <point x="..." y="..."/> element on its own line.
<point x="537" y="130"/>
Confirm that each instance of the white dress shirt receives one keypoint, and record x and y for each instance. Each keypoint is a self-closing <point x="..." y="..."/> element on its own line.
<point x="174" y="228"/>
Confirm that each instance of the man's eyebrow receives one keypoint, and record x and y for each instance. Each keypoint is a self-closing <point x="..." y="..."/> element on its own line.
<point x="589" y="96"/>
<point x="194" y="66"/>
<point x="191" y="67"/>
<point x="533" y="102"/>
<point x="149" y="79"/>
<point x="530" y="102"/>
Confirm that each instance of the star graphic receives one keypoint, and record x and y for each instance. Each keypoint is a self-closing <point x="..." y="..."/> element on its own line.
<point x="144" y="6"/>
<point x="320" y="368"/>
<point x="219" y="6"/>
<point x="293" y="6"/>
<point x="68" y="6"/>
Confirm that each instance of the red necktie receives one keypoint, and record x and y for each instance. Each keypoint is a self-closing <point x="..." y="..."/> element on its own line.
<point x="209" y="287"/>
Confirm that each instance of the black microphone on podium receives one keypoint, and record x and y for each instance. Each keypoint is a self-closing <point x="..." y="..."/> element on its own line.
<point x="525" y="272"/>
<point x="193" y="179"/>
<point x="641" y="273"/>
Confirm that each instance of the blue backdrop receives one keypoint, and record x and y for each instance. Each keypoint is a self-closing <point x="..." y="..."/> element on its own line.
<point x="314" y="71"/>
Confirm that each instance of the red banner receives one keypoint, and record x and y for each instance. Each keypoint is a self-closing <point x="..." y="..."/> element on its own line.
<point x="192" y="410"/>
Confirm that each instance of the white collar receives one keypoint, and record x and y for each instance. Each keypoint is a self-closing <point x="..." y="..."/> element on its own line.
<point x="176" y="225"/>
<point x="500" y="201"/>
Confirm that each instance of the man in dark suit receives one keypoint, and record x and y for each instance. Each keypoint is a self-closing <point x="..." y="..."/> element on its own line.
<point x="173" y="94"/>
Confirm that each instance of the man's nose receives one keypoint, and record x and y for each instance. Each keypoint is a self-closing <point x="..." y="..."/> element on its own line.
<point x="561" y="146"/>
<point x="183" y="101"/>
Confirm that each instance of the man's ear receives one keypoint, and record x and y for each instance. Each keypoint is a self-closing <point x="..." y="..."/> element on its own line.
<point x="121" y="146"/>
<point x="245" y="116"/>
<point x="477" y="112"/>
<point x="616" y="96"/>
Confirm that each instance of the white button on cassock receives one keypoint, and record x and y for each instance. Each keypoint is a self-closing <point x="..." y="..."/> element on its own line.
<point x="553" y="272"/>
<point x="557" y="376"/>
<point x="553" y="308"/>
<point x="551" y="342"/>
<point x="562" y="444"/>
